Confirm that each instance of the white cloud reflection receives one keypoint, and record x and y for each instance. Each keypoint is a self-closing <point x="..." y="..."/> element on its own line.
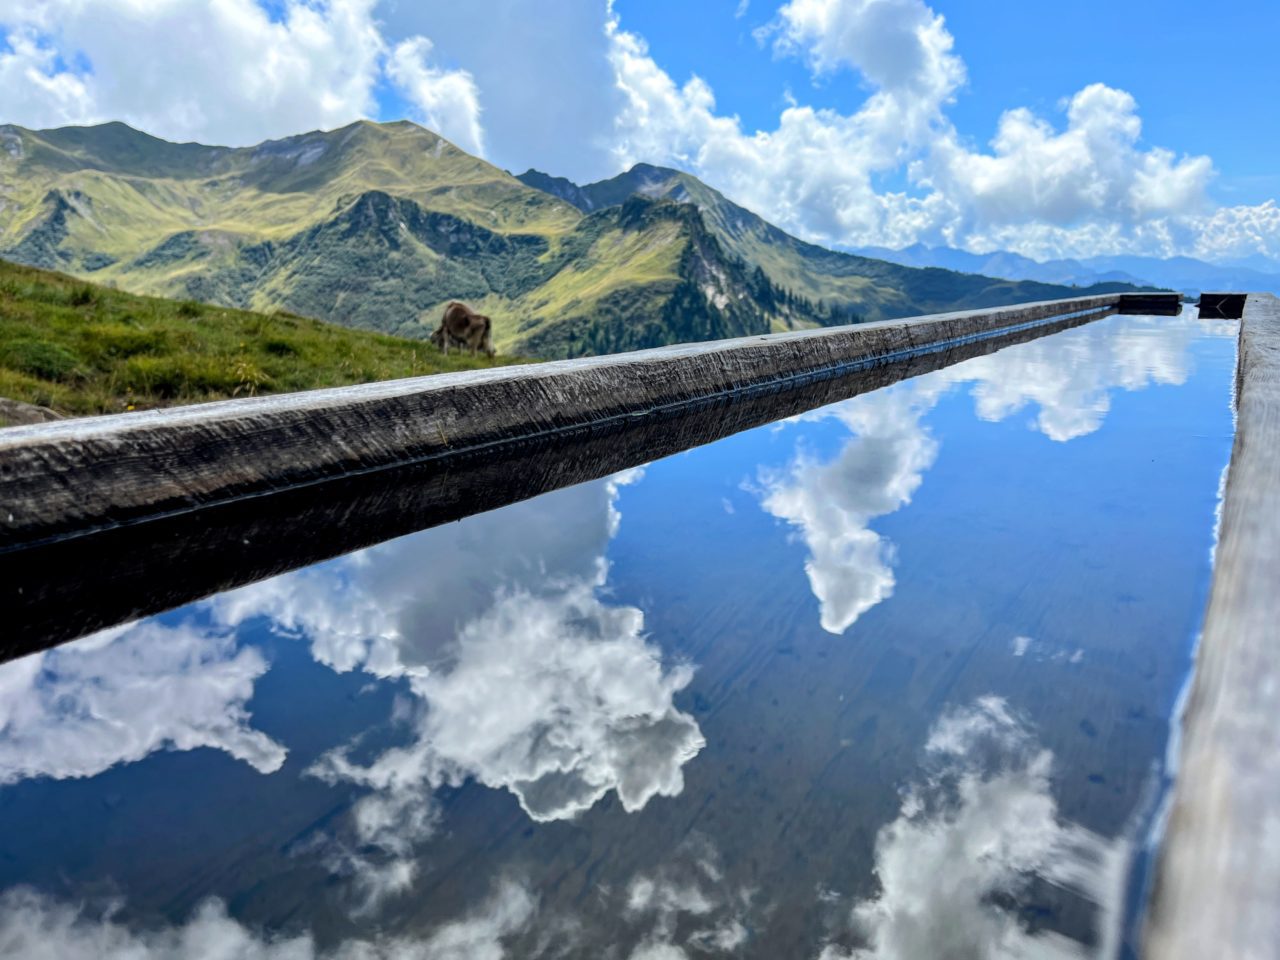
<point x="122" y="694"/>
<point x="523" y="677"/>
<point x="684" y="909"/>
<point x="974" y="834"/>
<point x="687" y="907"/>
<point x="1068" y="377"/>
<point x="394" y="609"/>
<point x="585" y="705"/>
<point x="850" y="566"/>
<point x="37" y="927"/>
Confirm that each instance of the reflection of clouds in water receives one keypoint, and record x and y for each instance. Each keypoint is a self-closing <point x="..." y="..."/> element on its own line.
<point x="976" y="832"/>
<point x="849" y="565"/>
<point x="524" y="678"/>
<point x="122" y="694"/>
<point x="560" y="700"/>
<point x="688" y="892"/>
<point x="35" y="927"/>
<point x="1042" y="650"/>
<point x="349" y="627"/>
<point x="693" y="887"/>
<point x="393" y="609"/>
<point x="1068" y="376"/>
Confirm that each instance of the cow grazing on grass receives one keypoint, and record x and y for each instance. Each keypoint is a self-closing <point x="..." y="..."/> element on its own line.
<point x="463" y="327"/>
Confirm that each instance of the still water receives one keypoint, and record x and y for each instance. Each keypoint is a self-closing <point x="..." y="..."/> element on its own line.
<point x="890" y="679"/>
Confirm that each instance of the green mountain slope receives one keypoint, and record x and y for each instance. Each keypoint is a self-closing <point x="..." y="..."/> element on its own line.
<point x="377" y="226"/>
<point x="874" y="289"/>
<point x="80" y="348"/>
<point x="108" y="185"/>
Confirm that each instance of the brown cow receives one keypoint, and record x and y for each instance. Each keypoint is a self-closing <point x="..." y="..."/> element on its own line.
<point x="463" y="327"/>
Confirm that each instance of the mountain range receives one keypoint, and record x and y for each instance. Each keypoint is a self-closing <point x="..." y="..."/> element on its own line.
<point x="377" y="225"/>
<point x="1184" y="274"/>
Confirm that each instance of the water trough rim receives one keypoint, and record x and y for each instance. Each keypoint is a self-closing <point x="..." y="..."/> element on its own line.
<point x="757" y="388"/>
<point x="89" y="427"/>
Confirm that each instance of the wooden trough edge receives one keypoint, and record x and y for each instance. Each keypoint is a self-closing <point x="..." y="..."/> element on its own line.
<point x="1217" y="883"/>
<point x="71" y="477"/>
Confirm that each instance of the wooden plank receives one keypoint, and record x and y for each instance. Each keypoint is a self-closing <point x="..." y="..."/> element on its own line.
<point x="1217" y="890"/>
<point x="71" y="477"/>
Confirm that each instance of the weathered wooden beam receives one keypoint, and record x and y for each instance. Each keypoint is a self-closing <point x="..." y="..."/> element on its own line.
<point x="1217" y="891"/>
<point x="75" y="476"/>
<point x="64" y="587"/>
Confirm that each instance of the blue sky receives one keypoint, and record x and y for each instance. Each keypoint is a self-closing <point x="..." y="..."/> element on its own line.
<point x="1021" y="53"/>
<point x="1103" y="127"/>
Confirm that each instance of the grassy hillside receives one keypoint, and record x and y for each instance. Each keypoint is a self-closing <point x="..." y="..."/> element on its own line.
<point x="80" y="348"/>
<point x="376" y="226"/>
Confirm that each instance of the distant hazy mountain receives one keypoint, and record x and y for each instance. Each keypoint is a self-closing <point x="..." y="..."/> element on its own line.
<point x="378" y="225"/>
<point x="1254" y="262"/>
<point x="1188" y="274"/>
<point x="1175" y="273"/>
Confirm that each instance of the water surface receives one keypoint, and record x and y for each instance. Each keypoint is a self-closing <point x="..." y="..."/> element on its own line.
<point x="889" y="679"/>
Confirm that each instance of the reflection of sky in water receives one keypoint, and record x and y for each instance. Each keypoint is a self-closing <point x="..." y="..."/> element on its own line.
<point x="1068" y="379"/>
<point x="889" y="679"/>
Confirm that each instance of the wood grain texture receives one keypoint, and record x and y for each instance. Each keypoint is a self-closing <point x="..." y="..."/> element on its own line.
<point x="68" y="478"/>
<point x="1217" y="890"/>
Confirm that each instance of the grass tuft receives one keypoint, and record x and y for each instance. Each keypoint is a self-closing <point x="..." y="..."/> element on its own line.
<point x="39" y="358"/>
<point x="82" y="296"/>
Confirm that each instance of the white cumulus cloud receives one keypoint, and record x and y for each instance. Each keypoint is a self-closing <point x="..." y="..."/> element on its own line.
<point x="227" y="72"/>
<point x="1091" y="178"/>
<point x="34" y="89"/>
<point x="812" y="174"/>
<point x="900" y="46"/>
<point x="541" y="68"/>
<point x="1091" y="187"/>
<point x="447" y="100"/>
<point x="566" y="86"/>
